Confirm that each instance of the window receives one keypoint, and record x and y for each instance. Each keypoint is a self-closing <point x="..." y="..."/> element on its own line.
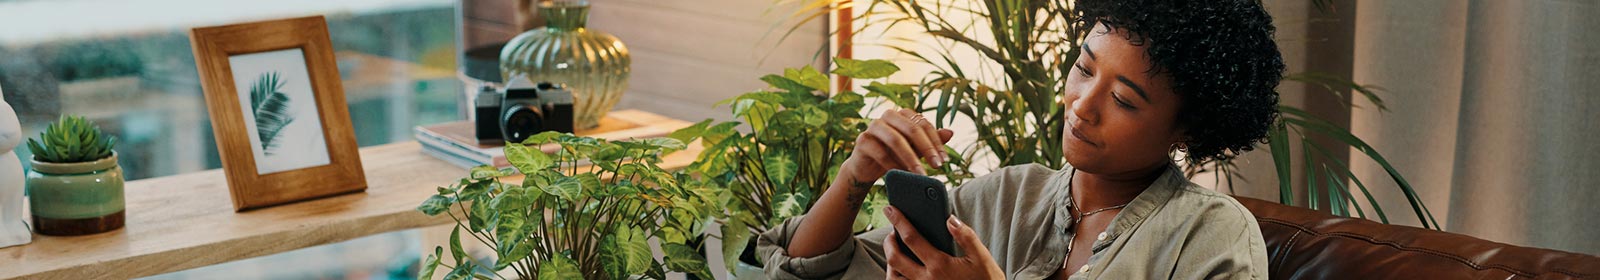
<point x="127" y="65"/>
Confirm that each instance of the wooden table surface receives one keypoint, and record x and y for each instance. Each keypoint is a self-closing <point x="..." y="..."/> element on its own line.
<point x="186" y="221"/>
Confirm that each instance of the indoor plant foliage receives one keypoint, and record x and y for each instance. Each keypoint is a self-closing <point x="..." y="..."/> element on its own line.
<point x="72" y="139"/>
<point x="785" y="147"/>
<point x="75" y="185"/>
<point x="584" y="212"/>
<point x="1018" y="119"/>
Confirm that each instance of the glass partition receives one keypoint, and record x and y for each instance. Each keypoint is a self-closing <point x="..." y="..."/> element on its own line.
<point x="128" y="66"/>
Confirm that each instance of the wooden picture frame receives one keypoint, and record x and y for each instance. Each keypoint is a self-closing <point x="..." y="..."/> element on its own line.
<point x="270" y="152"/>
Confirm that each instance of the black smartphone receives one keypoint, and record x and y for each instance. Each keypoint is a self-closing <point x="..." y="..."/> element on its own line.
<point x="922" y="201"/>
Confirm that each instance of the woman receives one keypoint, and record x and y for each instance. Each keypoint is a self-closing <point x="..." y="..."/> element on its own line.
<point x="1153" y="77"/>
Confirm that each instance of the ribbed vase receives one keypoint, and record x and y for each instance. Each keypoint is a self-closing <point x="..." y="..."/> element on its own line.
<point x="592" y="64"/>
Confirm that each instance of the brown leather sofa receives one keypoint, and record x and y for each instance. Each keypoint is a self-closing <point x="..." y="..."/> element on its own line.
<point x="1306" y="244"/>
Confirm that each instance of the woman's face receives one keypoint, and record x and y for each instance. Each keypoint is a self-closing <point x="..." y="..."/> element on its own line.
<point x="1120" y="118"/>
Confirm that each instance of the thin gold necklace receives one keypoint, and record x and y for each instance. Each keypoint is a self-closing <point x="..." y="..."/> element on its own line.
<point x="1079" y="218"/>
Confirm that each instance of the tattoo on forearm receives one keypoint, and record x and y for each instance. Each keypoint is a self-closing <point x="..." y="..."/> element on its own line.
<point x="858" y="193"/>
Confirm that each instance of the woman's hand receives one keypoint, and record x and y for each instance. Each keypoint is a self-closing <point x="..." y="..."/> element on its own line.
<point x="896" y="140"/>
<point x="977" y="264"/>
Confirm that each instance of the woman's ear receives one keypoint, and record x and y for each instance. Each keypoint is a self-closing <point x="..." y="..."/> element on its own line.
<point x="1179" y="138"/>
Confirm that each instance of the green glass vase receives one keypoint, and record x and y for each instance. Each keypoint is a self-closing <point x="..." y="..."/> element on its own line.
<point x="591" y="64"/>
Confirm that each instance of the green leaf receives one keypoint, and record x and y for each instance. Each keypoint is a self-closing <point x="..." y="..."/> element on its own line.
<point x="430" y="265"/>
<point x="847" y="97"/>
<point x="664" y="143"/>
<point x="735" y="237"/>
<point x="808" y="76"/>
<point x="527" y="160"/>
<point x="435" y="204"/>
<point x="1302" y="119"/>
<point x="566" y="188"/>
<point x="542" y="138"/>
<point x="813" y="116"/>
<point x="784" y="83"/>
<point x="508" y="230"/>
<point x="692" y="132"/>
<point x="1278" y="139"/>
<point x="588" y="181"/>
<point x="486" y="172"/>
<point x="786" y="205"/>
<point x="631" y="250"/>
<point x="559" y="267"/>
<point x="462" y="271"/>
<point x="655" y="271"/>
<point x="716" y="134"/>
<point x="780" y="166"/>
<point x="456" y="252"/>
<point x="864" y="69"/>
<point x="682" y="258"/>
<point x="902" y="96"/>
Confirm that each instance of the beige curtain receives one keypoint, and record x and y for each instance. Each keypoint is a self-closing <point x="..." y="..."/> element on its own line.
<point x="1493" y="115"/>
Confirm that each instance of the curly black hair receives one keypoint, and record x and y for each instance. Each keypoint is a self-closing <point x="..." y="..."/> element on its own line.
<point x="1220" y="57"/>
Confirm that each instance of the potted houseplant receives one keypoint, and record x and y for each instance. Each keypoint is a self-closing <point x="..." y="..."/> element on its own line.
<point x="797" y="135"/>
<point x="584" y="212"/>
<point x="75" y="184"/>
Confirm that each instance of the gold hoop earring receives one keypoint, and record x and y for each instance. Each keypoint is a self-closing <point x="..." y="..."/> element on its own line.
<point x="1178" y="152"/>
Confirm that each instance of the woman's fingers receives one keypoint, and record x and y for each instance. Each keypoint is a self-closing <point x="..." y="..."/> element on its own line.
<point x="966" y="238"/>
<point x="913" y="239"/>
<point x="920" y="132"/>
<point x="873" y="151"/>
<point x="897" y="145"/>
<point x="899" y="261"/>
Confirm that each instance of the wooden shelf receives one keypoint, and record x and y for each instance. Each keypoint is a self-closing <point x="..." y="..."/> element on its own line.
<point x="187" y="221"/>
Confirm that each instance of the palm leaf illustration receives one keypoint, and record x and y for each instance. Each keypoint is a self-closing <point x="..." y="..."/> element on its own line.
<point x="271" y="108"/>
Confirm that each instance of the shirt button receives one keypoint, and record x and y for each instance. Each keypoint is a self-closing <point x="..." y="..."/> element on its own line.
<point x="1102" y="237"/>
<point x="1084" y="269"/>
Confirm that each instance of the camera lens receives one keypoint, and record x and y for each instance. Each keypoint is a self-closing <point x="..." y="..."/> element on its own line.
<point x="521" y="122"/>
<point x="933" y="194"/>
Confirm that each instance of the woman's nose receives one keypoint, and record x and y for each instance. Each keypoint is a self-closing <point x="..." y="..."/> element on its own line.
<point x="1085" y="102"/>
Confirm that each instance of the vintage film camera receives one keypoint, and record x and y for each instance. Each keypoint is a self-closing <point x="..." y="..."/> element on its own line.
<point x="521" y="110"/>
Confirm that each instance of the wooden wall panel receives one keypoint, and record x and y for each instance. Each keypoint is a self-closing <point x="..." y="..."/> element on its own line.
<point x="689" y="54"/>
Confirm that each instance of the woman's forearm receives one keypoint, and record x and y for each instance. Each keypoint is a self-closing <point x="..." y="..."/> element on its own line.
<point x="830" y="222"/>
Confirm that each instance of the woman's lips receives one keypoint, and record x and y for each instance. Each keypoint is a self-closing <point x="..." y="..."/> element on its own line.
<point x="1076" y="133"/>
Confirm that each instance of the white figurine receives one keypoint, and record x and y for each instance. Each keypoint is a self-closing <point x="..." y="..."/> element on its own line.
<point x="13" y="230"/>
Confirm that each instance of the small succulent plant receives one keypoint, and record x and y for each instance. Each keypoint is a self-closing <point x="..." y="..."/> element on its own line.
<point x="72" y="139"/>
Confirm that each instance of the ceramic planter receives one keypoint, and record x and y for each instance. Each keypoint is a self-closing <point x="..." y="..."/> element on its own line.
<point x="747" y="269"/>
<point x="76" y="198"/>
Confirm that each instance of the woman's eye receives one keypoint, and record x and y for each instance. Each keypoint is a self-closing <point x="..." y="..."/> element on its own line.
<point x="1120" y="103"/>
<point x="1081" y="70"/>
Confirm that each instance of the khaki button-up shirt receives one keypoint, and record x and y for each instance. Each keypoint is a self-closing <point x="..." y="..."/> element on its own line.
<point x="1173" y="230"/>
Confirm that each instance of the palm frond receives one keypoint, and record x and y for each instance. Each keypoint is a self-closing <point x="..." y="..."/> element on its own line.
<point x="271" y="108"/>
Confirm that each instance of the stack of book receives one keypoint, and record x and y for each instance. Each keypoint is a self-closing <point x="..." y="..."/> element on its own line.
<point x="454" y="142"/>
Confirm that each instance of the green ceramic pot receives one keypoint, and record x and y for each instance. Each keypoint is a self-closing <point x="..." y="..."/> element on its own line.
<point x="76" y="198"/>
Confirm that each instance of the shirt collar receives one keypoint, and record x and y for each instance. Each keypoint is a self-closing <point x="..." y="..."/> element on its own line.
<point x="1142" y="206"/>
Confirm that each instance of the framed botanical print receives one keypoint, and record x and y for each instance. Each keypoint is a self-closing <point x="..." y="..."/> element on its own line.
<point x="278" y="111"/>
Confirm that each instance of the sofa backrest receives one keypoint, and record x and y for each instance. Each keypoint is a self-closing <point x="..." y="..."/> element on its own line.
<point x="1306" y="244"/>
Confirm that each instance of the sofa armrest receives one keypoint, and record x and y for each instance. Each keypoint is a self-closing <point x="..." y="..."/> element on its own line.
<point x="1306" y="244"/>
